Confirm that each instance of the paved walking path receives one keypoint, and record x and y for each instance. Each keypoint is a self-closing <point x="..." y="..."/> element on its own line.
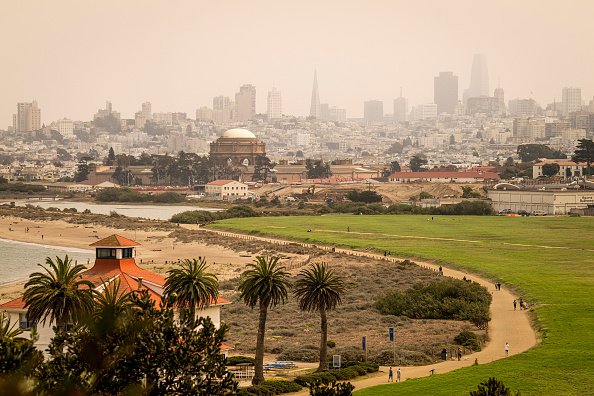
<point x="506" y="324"/>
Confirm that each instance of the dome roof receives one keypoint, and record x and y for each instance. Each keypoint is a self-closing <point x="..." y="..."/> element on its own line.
<point x="238" y="133"/>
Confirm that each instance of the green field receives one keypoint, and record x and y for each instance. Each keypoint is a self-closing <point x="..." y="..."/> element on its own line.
<point x="512" y="250"/>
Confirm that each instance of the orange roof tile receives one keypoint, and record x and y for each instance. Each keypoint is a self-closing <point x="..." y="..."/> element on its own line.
<point x="221" y="182"/>
<point x="17" y="303"/>
<point x="115" y="241"/>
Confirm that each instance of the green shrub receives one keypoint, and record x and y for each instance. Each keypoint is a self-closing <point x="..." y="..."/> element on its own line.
<point x="325" y="377"/>
<point x="270" y="387"/>
<point x="333" y="389"/>
<point x="330" y="344"/>
<point x="345" y="373"/>
<point x="235" y="360"/>
<point x="468" y="339"/>
<point x="446" y="298"/>
<point x="364" y="196"/>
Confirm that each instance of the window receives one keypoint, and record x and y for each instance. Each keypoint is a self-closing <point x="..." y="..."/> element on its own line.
<point x="24" y="323"/>
<point x="106" y="253"/>
<point x="127" y="253"/>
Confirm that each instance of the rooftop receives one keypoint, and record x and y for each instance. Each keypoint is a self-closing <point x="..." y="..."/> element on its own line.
<point x="115" y="241"/>
<point x="238" y="133"/>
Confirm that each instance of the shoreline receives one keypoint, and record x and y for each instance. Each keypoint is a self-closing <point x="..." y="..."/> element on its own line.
<point x="157" y="252"/>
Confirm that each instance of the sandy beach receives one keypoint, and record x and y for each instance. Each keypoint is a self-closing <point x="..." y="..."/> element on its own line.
<point x="157" y="250"/>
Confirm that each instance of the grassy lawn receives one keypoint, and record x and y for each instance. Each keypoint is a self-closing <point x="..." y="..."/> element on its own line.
<point x="509" y="249"/>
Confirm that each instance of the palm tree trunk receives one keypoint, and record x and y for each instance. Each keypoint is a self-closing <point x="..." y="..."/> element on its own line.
<point x="259" y="367"/>
<point x="323" y="341"/>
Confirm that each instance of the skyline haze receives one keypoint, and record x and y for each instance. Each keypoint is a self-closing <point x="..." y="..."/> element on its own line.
<point x="73" y="56"/>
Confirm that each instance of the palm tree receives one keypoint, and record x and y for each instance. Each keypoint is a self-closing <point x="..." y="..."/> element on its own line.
<point x="59" y="293"/>
<point x="264" y="284"/>
<point x="318" y="289"/>
<point x="112" y="299"/>
<point x="8" y="330"/>
<point x="191" y="287"/>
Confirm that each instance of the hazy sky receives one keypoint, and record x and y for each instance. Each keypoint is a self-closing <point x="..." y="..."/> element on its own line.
<point x="73" y="55"/>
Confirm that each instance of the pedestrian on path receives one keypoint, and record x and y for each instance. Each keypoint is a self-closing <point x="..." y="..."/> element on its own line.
<point x="390" y="375"/>
<point x="521" y="303"/>
<point x="506" y="349"/>
<point x="459" y="354"/>
<point x="398" y="375"/>
<point x="515" y="304"/>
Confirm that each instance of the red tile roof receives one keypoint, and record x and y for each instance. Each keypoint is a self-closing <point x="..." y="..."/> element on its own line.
<point x="17" y="303"/>
<point x="444" y="175"/>
<point x="115" y="241"/>
<point x="561" y="162"/>
<point x="221" y="182"/>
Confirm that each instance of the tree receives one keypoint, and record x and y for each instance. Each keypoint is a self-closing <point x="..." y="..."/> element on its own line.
<point x="140" y="350"/>
<point x="493" y="387"/>
<point x="111" y="157"/>
<point x="16" y="353"/>
<point x="82" y="172"/>
<point x="317" y="169"/>
<point x="318" y="289"/>
<point x="417" y="162"/>
<point x="550" y="170"/>
<point x="191" y="287"/>
<point x="395" y="167"/>
<point x="395" y="148"/>
<point x="584" y="153"/>
<point x="265" y="284"/>
<point x="532" y="152"/>
<point x="58" y="293"/>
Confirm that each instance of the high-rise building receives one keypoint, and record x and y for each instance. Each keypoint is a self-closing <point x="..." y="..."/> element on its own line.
<point x="373" y="111"/>
<point x="523" y="107"/>
<point x="425" y="111"/>
<point x="245" y="103"/>
<point x="275" y="104"/>
<point x="571" y="100"/>
<point x="445" y="92"/>
<point x="27" y="118"/>
<point x="479" y="79"/>
<point x="222" y="109"/>
<point x="204" y="114"/>
<point x="314" y="110"/>
<point x="400" y="109"/>
<point x="500" y="95"/>
<point x="147" y="111"/>
<point x="65" y="127"/>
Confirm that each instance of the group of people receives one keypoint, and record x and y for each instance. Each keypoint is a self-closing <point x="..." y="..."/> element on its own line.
<point x="498" y="286"/>
<point x="391" y="375"/>
<point x="521" y="303"/>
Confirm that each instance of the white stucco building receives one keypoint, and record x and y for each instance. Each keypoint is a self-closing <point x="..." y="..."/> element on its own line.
<point x="226" y="190"/>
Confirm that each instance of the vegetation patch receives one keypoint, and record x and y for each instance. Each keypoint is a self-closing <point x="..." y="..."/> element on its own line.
<point x="446" y="298"/>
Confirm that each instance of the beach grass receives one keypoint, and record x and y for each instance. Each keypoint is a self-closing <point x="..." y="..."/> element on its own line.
<point x="549" y="261"/>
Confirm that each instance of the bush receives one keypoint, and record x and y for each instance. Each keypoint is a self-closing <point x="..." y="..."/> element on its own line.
<point x="330" y="344"/>
<point x="347" y="373"/>
<point x="446" y="298"/>
<point x="333" y="389"/>
<point x="270" y="387"/>
<point x="125" y="194"/>
<point x="364" y="196"/>
<point x="468" y="339"/>
<point x="203" y="216"/>
<point x="324" y="377"/>
<point x="235" y="360"/>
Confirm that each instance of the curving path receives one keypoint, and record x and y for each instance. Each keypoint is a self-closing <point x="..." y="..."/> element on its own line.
<point x="506" y="324"/>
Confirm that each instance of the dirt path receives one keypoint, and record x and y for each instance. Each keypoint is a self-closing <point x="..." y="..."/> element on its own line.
<point x="506" y="324"/>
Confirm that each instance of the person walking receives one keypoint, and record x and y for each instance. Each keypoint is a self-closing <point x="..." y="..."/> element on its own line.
<point x="390" y="375"/>
<point x="521" y="303"/>
<point x="515" y="304"/>
<point x="506" y="349"/>
<point x="459" y="354"/>
<point x="398" y="375"/>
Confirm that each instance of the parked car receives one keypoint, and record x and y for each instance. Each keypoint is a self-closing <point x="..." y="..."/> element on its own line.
<point x="504" y="211"/>
<point x="524" y="213"/>
<point x="539" y="213"/>
<point x="290" y="199"/>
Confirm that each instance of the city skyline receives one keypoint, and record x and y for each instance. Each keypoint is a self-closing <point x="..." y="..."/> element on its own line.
<point x="140" y="55"/>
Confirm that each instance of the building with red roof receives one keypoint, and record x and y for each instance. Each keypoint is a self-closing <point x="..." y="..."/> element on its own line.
<point x="443" y="177"/>
<point x="114" y="259"/>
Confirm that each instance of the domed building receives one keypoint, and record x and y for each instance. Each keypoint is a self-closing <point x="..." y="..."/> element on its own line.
<point x="237" y="147"/>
